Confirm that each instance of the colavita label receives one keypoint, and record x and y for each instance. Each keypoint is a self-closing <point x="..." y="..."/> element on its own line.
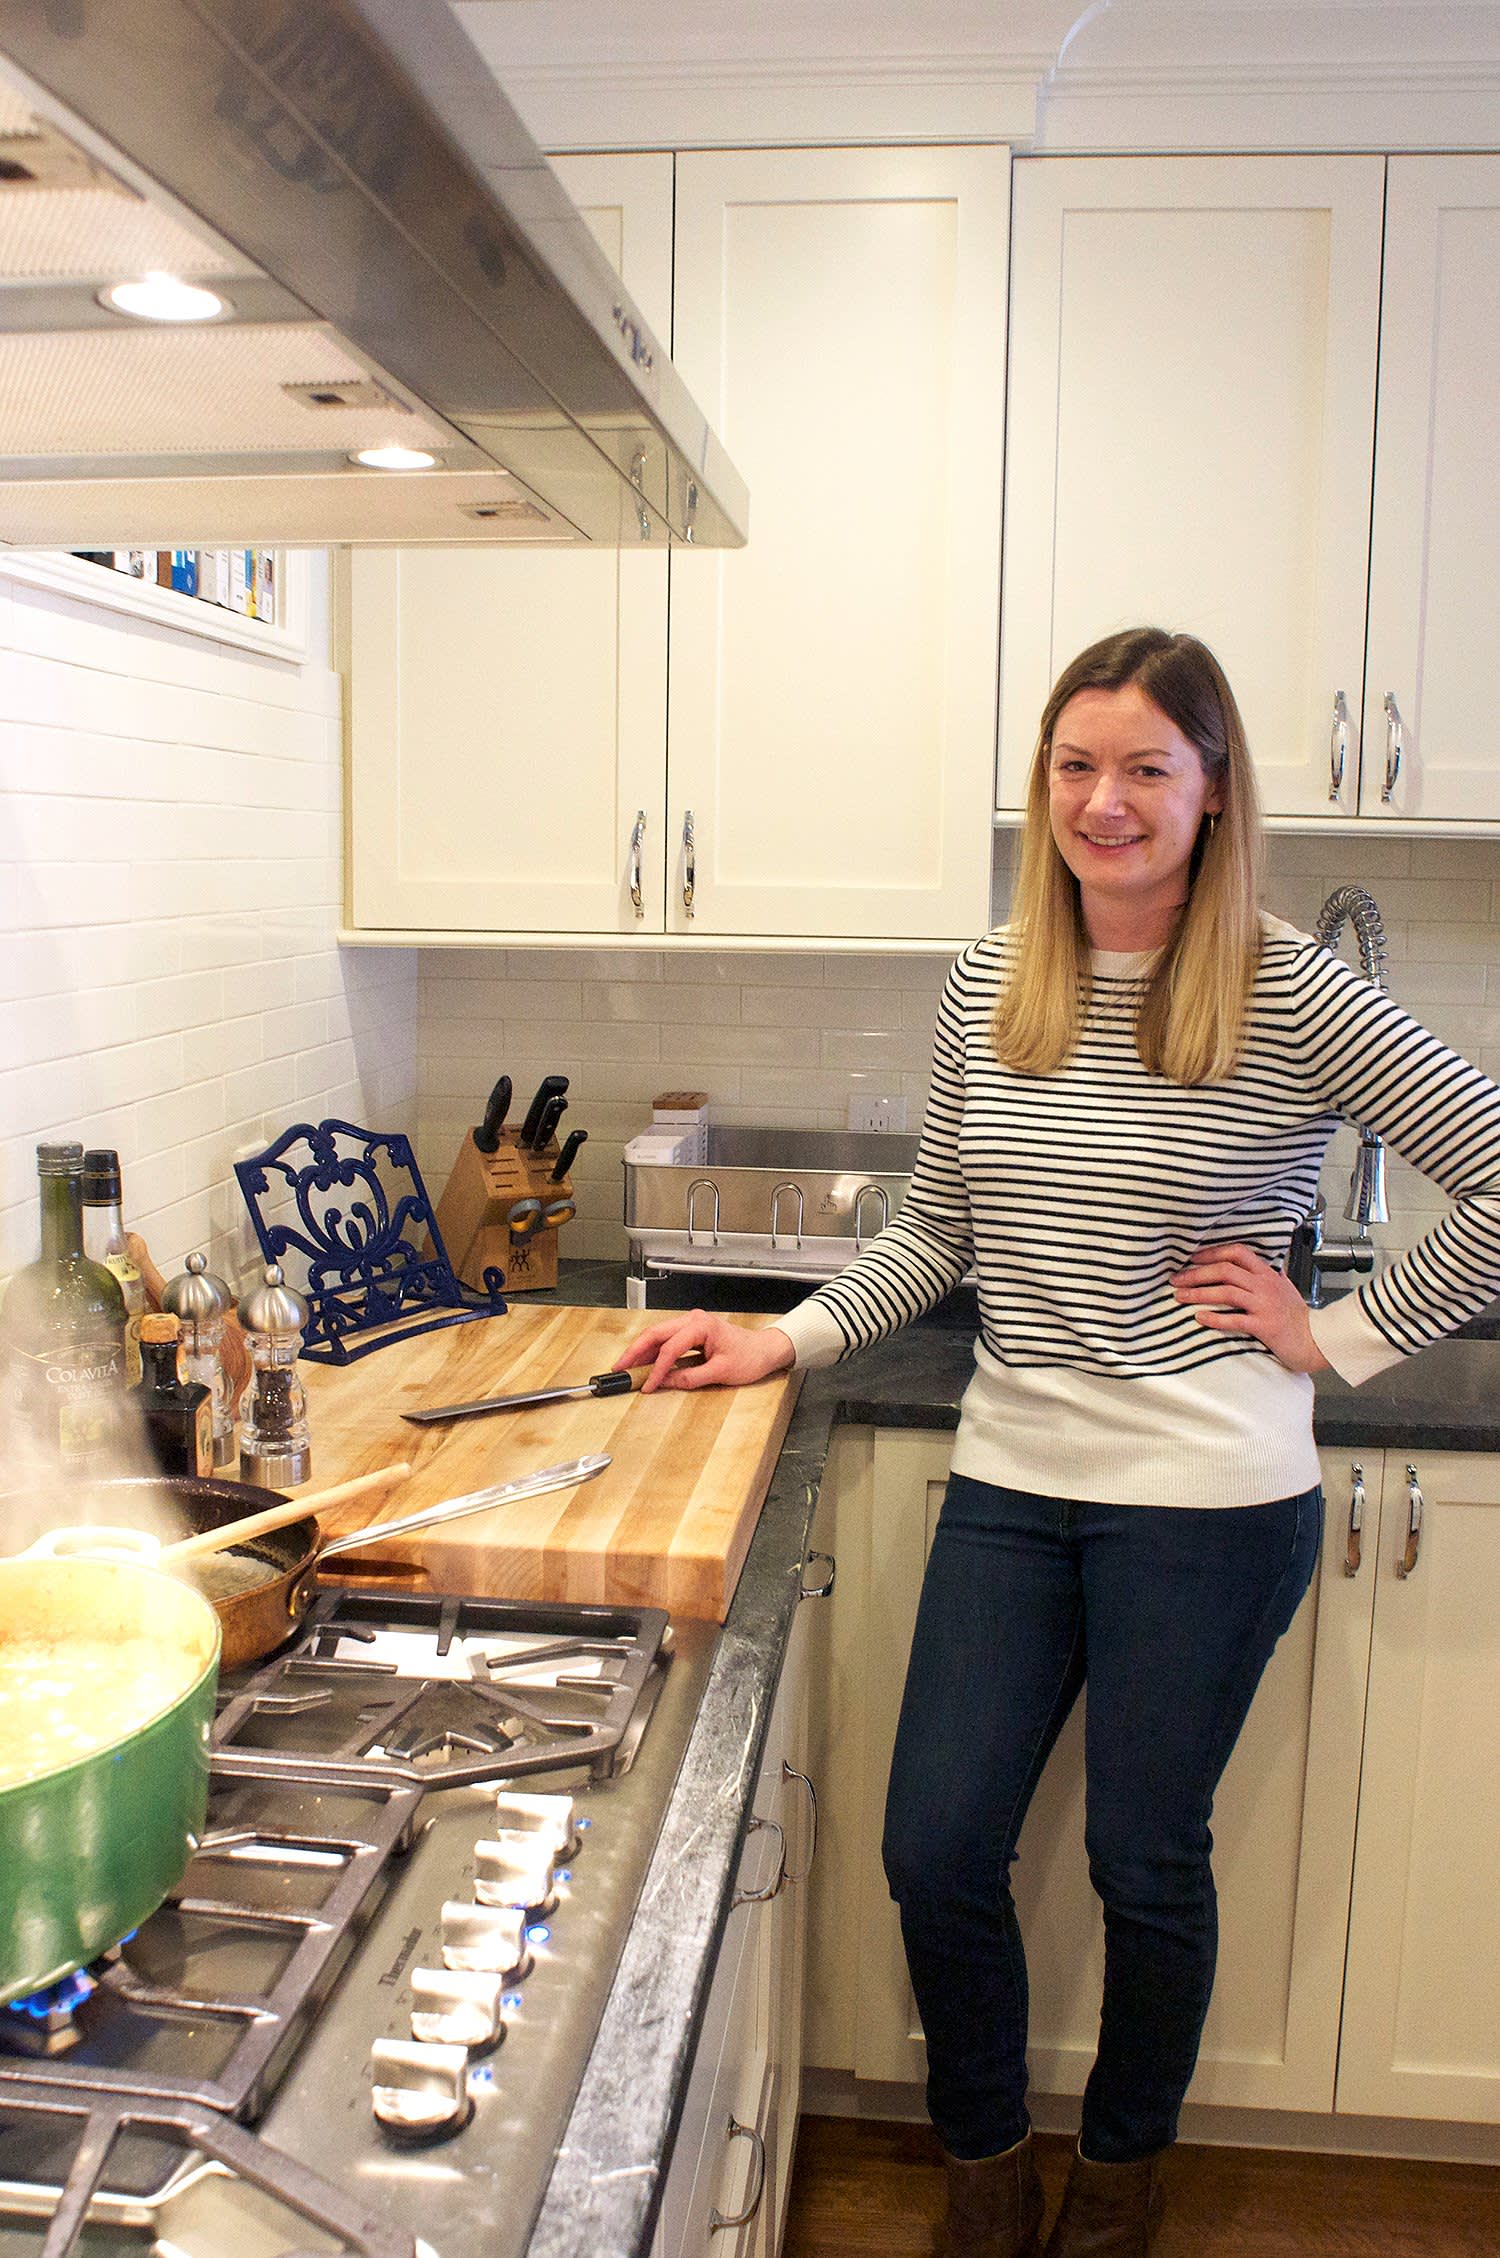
<point x="70" y="1398"/>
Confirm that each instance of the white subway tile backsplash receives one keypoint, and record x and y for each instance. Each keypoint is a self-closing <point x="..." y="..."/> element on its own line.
<point x="169" y="899"/>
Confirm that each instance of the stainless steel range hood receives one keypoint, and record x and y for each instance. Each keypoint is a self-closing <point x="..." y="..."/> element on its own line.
<point x="397" y="264"/>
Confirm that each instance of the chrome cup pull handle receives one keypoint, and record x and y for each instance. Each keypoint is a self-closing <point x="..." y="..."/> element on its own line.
<point x="689" y="861"/>
<point x="1338" y="746"/>
<point x="637" y="840"/>
<point x="1411" y="1550"/>
<point x="1353" y="1541"/>
<point x="773" y="1888"/>
<point x="716" y="2218"/>
<point x="805" y="1590"/>
<point x="790" y="1772"/>
<point x="1395" y="741"/>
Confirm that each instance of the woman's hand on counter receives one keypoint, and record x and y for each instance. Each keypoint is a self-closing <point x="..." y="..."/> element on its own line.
<point x="1232" y="1289"/>
<point x="734" y="1355"/>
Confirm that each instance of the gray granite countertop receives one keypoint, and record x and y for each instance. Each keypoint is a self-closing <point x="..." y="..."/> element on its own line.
<point x="601" y="2199"/>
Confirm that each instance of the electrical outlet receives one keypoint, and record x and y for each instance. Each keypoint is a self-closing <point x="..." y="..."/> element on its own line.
<point x="877" y="1113"/>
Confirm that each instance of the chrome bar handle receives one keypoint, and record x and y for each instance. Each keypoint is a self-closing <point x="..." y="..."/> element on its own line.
<point x="703" y="1184"/>
<point x="1395" y="738"/>
<point x="1414" y="1512"/>
<point x="689" y="861"/>
<point x="772" y="1889"/>
<point x="801" y="1199"/>
<point x="860" y="1197"/>
<point x="716" y="2218"/>
<point x="1353" y="1538"/>
<point x="637" y="840"/>
<point x="1338" y="746"/>
<point x="790" y="1772"/>
<point x="805" y="1590"/>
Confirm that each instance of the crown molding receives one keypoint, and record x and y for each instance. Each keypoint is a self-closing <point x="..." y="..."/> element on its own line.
<point x="805" y="101"/>
<point x="1313" y="105"/>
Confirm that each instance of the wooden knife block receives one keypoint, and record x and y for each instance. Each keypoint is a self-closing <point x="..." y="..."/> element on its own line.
<point x="472" y="1214"/>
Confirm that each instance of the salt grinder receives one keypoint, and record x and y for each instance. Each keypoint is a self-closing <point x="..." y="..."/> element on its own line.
<point x="274" y="1445"/>
<point x="202" y="1302"/>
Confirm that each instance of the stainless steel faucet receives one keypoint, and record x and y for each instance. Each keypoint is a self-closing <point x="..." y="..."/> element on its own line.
<point x="1312" y="1255"/>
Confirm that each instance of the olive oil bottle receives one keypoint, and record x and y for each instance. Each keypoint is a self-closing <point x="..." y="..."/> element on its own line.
<point x="62" y="1334"/>
<point x="104" y="1241"/>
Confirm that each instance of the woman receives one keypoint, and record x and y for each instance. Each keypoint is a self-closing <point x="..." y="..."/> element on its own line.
<point x="1134" y="1084"/>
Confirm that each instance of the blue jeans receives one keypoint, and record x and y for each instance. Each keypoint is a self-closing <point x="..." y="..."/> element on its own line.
<point x="1170" y="1613"/>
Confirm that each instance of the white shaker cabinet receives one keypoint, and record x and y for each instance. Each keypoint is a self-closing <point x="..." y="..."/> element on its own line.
<point x="506" y="709"/>
<point x="729" y="2175"/>
<point x="810" y="755"/>
<point x="840" y="316"/>
<point x="1191" y="419"/>
<point x="1229" y="408"/>
<point x="1430" y="748"/>
<point x="1370" y="1762"/>
<point x="1422" y="2000"/>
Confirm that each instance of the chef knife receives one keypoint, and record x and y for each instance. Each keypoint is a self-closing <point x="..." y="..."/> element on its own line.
<point x="487" y="1135"/>
<point x="569" y="1154"/>
<point x="550" y="1086"/>
<point x="546" y="1128"/>
<point x="602" y="1384"/>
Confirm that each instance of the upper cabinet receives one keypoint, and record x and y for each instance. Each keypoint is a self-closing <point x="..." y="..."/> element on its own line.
<point x="1435" y="559"/>
<point x="1228" y="413"/>
<point x="807" y="752"/>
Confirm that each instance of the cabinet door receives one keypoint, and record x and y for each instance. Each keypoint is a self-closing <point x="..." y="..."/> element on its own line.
<point x="1435" y="561"/>
<point x="507" y="708"/>
<point x="840" y="314"/>
<point x="1283" y="1828"/>
<point x="1422" y="2010"/>
<point x="1190" y="418"/>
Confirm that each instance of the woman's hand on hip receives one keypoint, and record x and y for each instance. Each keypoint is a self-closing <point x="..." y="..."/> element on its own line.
<point x="1233" y="1289"/>
<point x="733" y="1355"/>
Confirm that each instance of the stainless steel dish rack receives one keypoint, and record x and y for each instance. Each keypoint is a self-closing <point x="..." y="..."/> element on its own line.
<point x="766" y="1203"/>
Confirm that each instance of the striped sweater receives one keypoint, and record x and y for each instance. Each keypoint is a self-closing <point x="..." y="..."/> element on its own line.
<point x="1077" y="1196"/>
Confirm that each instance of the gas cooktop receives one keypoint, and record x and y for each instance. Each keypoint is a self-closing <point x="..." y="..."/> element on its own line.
<point x="359" y="2023"/>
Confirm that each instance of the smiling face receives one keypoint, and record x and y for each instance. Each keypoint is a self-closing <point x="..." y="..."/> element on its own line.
<point x="1127" y="793"/>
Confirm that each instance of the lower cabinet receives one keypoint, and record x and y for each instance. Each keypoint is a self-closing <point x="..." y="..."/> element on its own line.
<point x="1357" y="1828"/>
<point x="730" y="2173"/>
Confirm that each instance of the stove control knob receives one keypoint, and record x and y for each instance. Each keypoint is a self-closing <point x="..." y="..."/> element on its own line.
<point x="515" y="1870"/>
<point x="420" y="2091"/>
<point x="491" y="1938"/>
<point x="550" y="1816"/>
<point x="457" y="2007"/>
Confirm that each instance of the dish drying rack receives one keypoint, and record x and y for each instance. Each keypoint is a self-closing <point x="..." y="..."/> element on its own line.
<point x="762" y="1203"/>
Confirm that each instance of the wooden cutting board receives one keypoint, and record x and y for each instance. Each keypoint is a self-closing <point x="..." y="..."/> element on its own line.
<point x="667" y="1524"/>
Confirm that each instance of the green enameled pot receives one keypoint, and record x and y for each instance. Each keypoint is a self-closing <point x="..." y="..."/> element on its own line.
<point x="88" y="1850"/>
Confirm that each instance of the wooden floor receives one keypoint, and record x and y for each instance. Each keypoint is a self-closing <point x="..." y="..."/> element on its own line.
<point x="864" y="2190"/>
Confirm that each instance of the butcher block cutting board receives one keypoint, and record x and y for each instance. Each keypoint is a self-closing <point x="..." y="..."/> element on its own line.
<point x="667" y="1524"/>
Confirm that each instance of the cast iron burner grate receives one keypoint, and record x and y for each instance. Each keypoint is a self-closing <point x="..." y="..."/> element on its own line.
<point x="209" y="1997"/>
<point x="142" y="2174"/>
<point x="526" y="1689"/>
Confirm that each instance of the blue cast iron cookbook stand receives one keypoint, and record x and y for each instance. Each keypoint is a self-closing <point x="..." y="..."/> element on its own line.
<point x="365" y="1274"/>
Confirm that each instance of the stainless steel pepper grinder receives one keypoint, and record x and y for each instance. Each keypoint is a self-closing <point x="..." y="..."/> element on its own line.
<point x="275" y="1448"/>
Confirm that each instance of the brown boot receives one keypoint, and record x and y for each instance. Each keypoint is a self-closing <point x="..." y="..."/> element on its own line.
<point x="1109" y="2210"/>
<point x="994" y="2206"/>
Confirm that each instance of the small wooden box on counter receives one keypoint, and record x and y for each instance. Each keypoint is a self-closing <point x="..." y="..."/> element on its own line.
<point x="667" y="1524"/>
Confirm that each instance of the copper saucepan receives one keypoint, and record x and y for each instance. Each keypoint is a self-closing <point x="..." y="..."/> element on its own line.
<point x="260" y="1615"/>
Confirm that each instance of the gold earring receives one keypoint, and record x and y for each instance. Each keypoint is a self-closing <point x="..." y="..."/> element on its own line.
<point x="1213" y="825"/>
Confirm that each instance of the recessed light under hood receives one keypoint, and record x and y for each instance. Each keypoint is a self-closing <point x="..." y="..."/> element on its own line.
<point x="397" y="268"/>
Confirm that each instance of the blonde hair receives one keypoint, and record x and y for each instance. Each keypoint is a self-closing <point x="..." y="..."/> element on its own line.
<point x="1191" y="1018"/>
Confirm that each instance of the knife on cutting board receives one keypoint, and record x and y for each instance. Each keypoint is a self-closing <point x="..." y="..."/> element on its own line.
<point x="602" y="1384"/>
